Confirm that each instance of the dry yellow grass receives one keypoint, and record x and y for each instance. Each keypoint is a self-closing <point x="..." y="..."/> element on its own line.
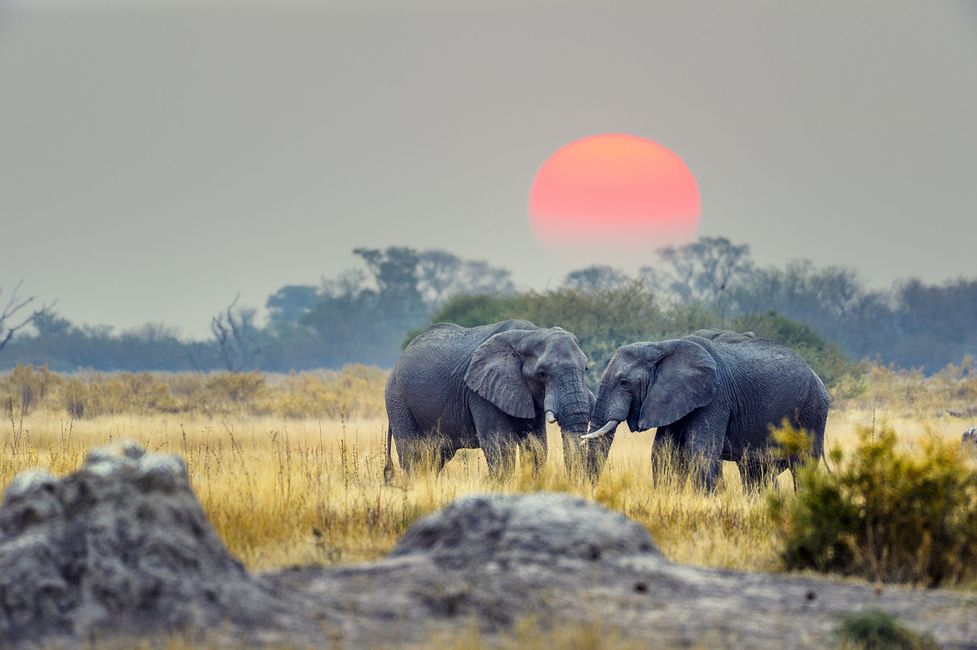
<point x="526" y="634"/>
<point x="283" y="492"/>
<point x="354" y="391"/>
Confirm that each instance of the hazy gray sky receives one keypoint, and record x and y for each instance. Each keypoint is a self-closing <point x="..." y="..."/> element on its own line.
<point x="157" y="157"/>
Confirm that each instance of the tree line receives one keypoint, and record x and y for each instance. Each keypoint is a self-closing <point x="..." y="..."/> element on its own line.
<point x="364" y="315"/>
<point x="359" y="316"/>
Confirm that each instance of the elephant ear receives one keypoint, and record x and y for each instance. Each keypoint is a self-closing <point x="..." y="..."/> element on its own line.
<point x="685" y="380"/>
<point x="495" y="373"/>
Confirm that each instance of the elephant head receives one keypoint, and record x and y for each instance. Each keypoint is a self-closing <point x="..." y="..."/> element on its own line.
<point x="652" y="385"/>
<point x="525" y="371"/>
<point x="969" y="439"/>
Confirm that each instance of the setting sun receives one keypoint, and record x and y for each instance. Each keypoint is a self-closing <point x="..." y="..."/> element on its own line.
<point x="614" y="189"/>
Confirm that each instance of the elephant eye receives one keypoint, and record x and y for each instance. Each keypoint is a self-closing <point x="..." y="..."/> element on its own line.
<point x="625" y="383"/>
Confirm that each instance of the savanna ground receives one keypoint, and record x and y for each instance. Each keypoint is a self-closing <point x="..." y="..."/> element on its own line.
<point x="286" y="488"/>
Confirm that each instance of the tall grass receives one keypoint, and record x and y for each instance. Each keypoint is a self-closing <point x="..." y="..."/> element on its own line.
<point x="285" y="492"/>
<point x="290" y="467"/>
<point x="357" y="391"/>
<point x="949" y="392"/>
<point x="887" y="514"/>
<point x="354" y="391"/>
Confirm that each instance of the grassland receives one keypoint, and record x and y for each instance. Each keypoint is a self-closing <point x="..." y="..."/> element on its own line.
<point x="285" y="490"/>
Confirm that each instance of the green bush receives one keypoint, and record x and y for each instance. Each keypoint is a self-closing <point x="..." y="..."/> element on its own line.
<point x="602" y="319"/>
<point x="877" y="630"/>
<point x="884" y="514"/>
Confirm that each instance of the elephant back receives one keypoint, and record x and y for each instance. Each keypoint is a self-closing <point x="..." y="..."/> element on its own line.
<point x="725" y="336"/>
<point x="762" y="366"/>
<point x="447" y="333"/>
<point x="438" y="333"/>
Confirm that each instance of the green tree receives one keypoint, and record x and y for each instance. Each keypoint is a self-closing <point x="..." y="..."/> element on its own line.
<point x="602" y="320"/>
<point x="289" y="303"/>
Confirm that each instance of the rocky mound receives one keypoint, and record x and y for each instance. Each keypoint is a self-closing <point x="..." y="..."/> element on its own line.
<point x="532" y="528"/>
<point x="121" y="548"/>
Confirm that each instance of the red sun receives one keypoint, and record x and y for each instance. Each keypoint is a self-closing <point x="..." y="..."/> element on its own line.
<point x="614" y="189"/>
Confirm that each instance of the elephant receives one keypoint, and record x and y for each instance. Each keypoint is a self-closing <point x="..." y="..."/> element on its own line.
<point x="969" y="439"/>
<point x="493" y="386"/>
<point x="714" y="395"/>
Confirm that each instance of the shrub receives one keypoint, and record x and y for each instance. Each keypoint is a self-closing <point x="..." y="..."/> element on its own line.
<point x="877" y="630"/>
<point x="25" y="387"/>
<point x="886" y="514"/>
<point x="76" y="397"/>
<point x="237" y="387"/>
<point x="353" y="391"/>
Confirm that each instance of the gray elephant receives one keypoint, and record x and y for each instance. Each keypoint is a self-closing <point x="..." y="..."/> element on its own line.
<point x="969" y="440"/>
<point x="713" y="396"/>
<point x="493" y="387"/>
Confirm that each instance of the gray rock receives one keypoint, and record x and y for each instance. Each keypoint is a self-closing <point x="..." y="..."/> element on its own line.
<point x="496" y="561"/>
<point x="121" y="548"/>
<point x="538" y="528"/>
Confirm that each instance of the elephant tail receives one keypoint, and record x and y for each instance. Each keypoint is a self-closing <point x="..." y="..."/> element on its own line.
<point x="388" y="468"/>
<point x="824" y="459"/>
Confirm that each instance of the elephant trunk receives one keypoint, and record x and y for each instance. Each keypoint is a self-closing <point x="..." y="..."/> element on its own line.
<point x="573" y="414"/>
<point x="603" y="420"/>
<point x="573" y="398"/>
<point x="599" y="416"/>
<point x="576" y="425"/>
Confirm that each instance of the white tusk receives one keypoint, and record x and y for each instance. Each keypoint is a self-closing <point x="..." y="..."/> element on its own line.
<point x="603" y="431"/>
<point x="550" y="417"/>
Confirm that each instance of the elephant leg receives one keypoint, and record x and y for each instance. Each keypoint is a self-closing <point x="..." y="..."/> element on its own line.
<point x="496" y="437"/>
<point x="706" y="433"/>
<point x="411" y="454"/>
<point x="418" y="451"/>
<point x="668" y="456"/>
<point x="500" y="454"/>
<point x="439" y="450"/>
<point x="594" y="453"/>
<point x="534" y="447"/>
<point x="444" y="453"/>
<point x="756" y="472"/>
<point x="794" y="463"/>
<point x="813" y="419"/>
<point x="407" y="436"/>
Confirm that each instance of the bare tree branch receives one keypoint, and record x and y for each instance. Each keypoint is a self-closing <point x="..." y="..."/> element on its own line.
<point x="12" y="308"/>
<point x="234" y="333"/>
<point x="222" y="335"/>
